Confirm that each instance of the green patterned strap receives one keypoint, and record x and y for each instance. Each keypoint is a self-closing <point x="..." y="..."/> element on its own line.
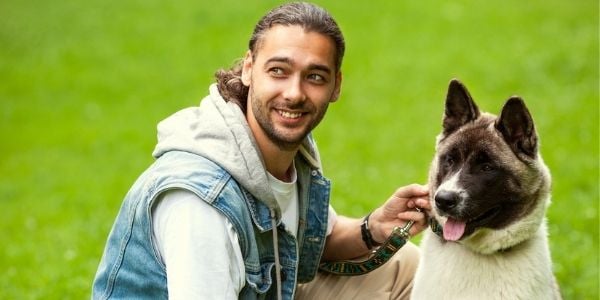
<point x="379" y="257"/>
<point x="436" y="227"/>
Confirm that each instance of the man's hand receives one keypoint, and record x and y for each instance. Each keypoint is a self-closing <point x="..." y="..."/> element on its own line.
<point x="345" y="240"/>
<point x="398" y="210"/>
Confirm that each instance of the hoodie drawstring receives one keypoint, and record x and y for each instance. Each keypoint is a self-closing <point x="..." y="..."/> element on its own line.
<point x="276" y="251"/>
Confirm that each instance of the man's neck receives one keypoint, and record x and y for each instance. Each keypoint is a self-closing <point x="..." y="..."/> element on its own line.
<point x="277" y="161"/>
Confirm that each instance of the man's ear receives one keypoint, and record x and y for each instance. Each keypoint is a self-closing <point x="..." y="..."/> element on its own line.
<point x="247" y="68"/>
<point x="338" y="87"/>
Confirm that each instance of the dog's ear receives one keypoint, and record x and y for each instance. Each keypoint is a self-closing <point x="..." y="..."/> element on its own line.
<point x="460" y="108"/>
<point x="517" y="128"/>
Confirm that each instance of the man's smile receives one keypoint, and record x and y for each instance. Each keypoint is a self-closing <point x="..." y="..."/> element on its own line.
<point x="288" y="114"/>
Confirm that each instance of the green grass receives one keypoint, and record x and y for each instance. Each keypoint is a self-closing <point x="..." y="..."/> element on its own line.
<point x="83" y="84"/>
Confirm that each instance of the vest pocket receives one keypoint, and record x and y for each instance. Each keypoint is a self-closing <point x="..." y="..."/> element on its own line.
<point x="260" y="280"/>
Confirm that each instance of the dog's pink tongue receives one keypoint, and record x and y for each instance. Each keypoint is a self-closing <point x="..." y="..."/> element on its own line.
<point x="453" y="229"/>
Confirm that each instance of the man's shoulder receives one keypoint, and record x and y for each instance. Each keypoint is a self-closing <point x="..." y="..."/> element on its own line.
<point x="177" y="161"/>
<point x="178" y="169"/>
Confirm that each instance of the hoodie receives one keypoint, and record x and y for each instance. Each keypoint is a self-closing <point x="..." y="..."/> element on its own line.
<point x="218" y="131"/>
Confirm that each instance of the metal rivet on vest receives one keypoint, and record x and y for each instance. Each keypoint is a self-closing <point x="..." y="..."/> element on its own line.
<point x="314" y="172"/>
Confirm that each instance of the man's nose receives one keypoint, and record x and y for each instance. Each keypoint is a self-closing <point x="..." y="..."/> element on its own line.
<point x="294" y="91"/>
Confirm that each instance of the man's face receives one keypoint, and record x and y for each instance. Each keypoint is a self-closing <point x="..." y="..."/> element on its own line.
<point x="292" y="80"/>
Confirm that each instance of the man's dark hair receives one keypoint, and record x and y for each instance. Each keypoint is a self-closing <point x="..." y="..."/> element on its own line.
<point x="309" y="16"/>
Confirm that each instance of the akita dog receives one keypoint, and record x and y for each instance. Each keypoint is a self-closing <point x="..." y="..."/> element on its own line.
<point x="490" y="189"/>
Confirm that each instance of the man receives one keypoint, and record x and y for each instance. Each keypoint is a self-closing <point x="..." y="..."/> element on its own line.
<point x="198" y="224"/>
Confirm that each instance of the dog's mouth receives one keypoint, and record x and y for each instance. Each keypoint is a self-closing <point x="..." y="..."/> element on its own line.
<point x="454" y="229"/>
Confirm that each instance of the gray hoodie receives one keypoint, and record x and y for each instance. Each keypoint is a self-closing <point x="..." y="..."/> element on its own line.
<point x="218" y="130"/>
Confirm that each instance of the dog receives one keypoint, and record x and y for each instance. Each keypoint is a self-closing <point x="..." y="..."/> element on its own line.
<point x="489" y="189"/>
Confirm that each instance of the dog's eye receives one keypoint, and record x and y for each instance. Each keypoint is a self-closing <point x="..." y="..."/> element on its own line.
<point x="448" y="160"/>
<point x="487" y="167"/>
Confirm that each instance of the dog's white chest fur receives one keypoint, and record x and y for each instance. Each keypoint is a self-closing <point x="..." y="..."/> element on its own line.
<point x="449" y="270"/>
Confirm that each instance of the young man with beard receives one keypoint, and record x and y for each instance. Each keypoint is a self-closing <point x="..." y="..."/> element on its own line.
<point x="236" y="205"/>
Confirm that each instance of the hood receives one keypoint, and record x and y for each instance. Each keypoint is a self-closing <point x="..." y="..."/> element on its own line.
<point x="218" y="131"/>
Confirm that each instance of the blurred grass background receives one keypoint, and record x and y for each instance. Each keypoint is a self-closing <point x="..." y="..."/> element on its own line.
<point x="83" y="84"/>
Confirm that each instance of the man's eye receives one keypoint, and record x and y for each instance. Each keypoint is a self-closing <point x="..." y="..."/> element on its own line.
<point x="316" y="77"/>
<point x="276" y="71"/>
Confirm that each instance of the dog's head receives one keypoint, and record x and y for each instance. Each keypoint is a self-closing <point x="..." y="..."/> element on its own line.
<point x="489" y="185"/>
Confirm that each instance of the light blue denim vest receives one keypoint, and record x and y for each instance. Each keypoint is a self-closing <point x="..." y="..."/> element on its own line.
<point x="131" y="268"/>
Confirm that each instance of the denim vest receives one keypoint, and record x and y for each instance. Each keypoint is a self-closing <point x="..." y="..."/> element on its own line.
<point x="131" y="267"/>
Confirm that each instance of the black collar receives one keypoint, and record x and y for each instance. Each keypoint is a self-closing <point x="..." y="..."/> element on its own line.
<point x="436" y="227"/>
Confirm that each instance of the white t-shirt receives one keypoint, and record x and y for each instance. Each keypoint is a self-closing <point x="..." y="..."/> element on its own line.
<point x="185" y="226"/>
<point x="286" y="195"/>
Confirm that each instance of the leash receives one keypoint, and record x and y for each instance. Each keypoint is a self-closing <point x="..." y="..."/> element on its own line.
<point x="377" y="258"/>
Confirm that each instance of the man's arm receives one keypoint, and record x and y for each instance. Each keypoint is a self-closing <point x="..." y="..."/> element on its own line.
<point x="345" y="241"/>
<point x="199" y="248"/>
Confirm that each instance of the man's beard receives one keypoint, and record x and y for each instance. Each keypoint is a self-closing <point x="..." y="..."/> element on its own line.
<point x="278" y="138"/>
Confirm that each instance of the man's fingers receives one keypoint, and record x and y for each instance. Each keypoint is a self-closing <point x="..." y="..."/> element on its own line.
<point x="423" y="203"/>
<point x="412" y="190"/>
<point x="412" y="215"/>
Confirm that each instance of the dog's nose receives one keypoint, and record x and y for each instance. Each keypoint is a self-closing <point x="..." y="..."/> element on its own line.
<point x="446" y="200"/>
